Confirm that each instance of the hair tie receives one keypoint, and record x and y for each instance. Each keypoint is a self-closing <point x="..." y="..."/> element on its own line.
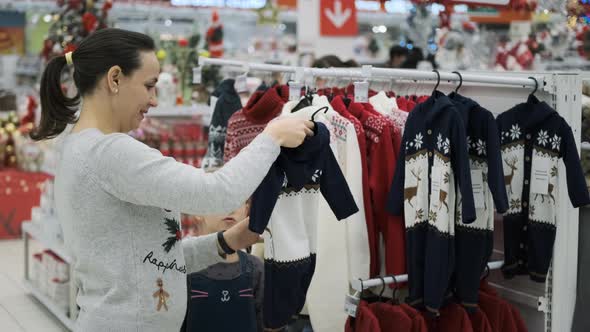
<point x="69" y="60"/>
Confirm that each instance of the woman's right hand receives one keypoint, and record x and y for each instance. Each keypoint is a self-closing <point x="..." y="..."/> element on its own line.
<point x="289" y="131"/>
<point x="239" y="236"/>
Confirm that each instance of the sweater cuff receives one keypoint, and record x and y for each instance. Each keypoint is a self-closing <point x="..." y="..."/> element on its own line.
<point x="265" y="143"/>
<point x="200" y="252"/>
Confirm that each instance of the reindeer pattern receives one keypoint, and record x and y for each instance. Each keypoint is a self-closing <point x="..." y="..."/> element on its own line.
<point x="416" y="189"/>
<point x="441" y="212"/>
<point x="513" y="164"/>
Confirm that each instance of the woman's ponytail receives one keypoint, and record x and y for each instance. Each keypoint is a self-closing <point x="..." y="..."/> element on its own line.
<point x="57" y="109"/>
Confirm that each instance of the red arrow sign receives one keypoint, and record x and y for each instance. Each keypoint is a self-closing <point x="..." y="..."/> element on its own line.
<point x="338" y="18"/>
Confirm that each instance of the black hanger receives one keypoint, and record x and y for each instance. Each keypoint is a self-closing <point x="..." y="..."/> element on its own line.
<point x="460" y="81"/>
<point x="532" y="98"/>
<point x="437" y="81"/>
<point x="325" y="109"/>
<point x="306" y="101"/>
<point x="486" y="272"/>
<point x="394" y="299"/>
<point x="382" y="289"/>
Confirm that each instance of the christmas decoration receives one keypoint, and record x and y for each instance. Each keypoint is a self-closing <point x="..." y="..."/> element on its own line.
<point x="174" y="229"/>
<point x="214" y="37"/>
<point x="268" y="14"/>
<point x="74" y="20"/>
<point x="29" y="118"/>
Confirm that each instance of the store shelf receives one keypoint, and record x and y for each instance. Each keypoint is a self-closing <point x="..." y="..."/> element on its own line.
<point x="179" y="111"/>
<point x="49" y="304"/>
<point x="46" y="242"/>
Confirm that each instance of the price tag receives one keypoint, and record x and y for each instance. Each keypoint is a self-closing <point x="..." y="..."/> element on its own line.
<point x="540" y="175"/>
<point x="435" y="183"/>
<point x="477" y="186"/>
<point x="350" y="305"/>
<point x="294" y="90"/>
<point x="241" y="84"/>
<point x="361" y="92"/>
<point x="197" y="75"/>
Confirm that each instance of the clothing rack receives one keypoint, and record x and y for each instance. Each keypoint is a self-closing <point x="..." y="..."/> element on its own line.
<point x="497" y="92"/>
<point x="369" y="71"/>
<point x="360" y="285"/>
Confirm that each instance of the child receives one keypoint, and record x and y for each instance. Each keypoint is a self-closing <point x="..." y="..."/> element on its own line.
<point x="227" y="296"/>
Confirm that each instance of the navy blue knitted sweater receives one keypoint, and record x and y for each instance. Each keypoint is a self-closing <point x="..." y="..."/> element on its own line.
<point x="286" y="205"/>
<point x="433" y="162"/>
<point x="474" y="242"/>
<point x="533" y="134"/>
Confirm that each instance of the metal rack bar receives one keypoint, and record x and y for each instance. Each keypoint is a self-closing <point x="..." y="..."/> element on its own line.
<point x="385" y="72"/>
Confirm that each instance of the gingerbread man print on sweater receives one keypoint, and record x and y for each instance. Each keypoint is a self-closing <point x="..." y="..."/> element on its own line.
<point x="161" y="295"/>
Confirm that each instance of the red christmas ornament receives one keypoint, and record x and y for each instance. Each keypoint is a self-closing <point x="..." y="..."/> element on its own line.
<point x="89" y="21"/>
<point x="69" y="48"/>
<point x="47" y="48"/>
<point x="30" y="116"/>
<point x="107" y="6"/>
<point x="74" y="4"/>
<point x="182" y="42"/>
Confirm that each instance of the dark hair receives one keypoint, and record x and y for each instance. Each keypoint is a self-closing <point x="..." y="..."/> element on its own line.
<point x="414" y="56"/>
<point x="332" y="61"/>
<point x="93" y="58"/>
<point x="397" y="50"/>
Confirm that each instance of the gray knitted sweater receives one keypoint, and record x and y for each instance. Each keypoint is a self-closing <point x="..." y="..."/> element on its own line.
<point x="119" y="204"/>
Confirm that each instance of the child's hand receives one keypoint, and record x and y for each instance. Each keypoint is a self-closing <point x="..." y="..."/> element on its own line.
<point x="239" y="236"/>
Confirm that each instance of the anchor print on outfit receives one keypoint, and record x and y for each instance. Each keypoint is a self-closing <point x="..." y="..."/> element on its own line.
<point x="225" y="296"/>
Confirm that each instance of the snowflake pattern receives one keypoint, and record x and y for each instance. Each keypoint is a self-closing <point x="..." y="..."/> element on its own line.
<point x="418" y="141"/>
<point x="515" y="204"/>
<point x="553" y="171"/>
<point x="543" y="138"/>
<point x="419" y="215"/>
<point x="446" y="146"/>
<point x="555" y="142"/>
<point x="480" y="147"/>
<point x="316" y="175"/>
<point x="469" y="141"/>
<point x="457" y="215"/>
<point x="432" y="216"/>
<point x="439" y="142"/>
<point x="532" y="211"/>
<point x="515" y="132"/>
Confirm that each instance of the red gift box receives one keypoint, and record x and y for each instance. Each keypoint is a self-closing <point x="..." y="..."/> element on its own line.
<point x="19" y="193"/>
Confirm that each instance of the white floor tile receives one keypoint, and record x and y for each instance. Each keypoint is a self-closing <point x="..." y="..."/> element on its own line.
<point x="19" y="311"/>
<point x="8" y="322"/>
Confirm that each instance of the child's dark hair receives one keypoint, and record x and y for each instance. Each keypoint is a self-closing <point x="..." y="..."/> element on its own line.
<point x="93" y="58"/>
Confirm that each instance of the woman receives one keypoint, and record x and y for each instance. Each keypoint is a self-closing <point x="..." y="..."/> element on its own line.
<point x="119" y="201"/>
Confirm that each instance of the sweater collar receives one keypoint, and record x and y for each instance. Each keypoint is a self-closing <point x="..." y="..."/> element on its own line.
<point x="533" y="113"/>
<point x="464" y="105"/>
<point x="264" y="106"/>
<point x="434" y="105"/>
<point x="312" y="145"/>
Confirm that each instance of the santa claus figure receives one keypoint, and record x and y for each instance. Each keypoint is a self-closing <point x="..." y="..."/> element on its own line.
<point x="214" y="37"/>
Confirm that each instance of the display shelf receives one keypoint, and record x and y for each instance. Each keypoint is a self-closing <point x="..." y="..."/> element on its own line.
<point x="49" y="304"/>
<point x="179" y="111"/>
<point x="53" y="245"/>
